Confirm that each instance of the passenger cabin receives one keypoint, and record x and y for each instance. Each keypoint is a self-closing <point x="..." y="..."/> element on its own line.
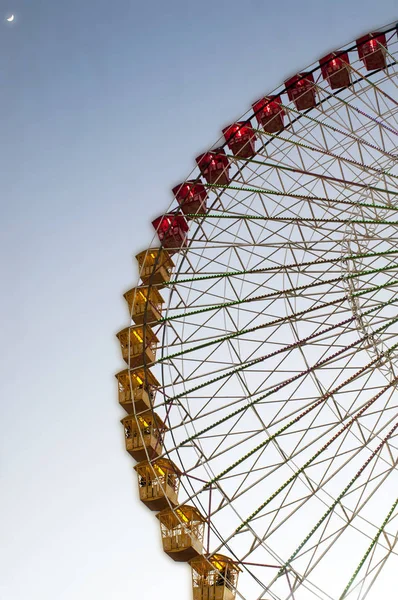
<point x="214" y="578"/>
<point x="192" y="197"/>
<point x="301" y="90"/>
<point x="145" y="304"/>
<point x="172" y="231"/>
<point x="240" y="137"/>
<point x="214" y="166"/>
<point x="143" y="435"/>
<point x="372" y="50"/>
<point x="269" y="113"/>
<point x="155" y="266"/>
<point x="182" y="532"/>
<point x="137" y="389"/>
<point x="158" y="483"/>
<point x="138" y="344"/>
<point x="335" y="69"/>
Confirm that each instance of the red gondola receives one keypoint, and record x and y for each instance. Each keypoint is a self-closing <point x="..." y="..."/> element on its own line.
<point x="335" y="69"/>
<point x="269" y="113"/>
<point x="372" y="50"/>
<point x="172" y="231"/>
<point x="214" y="166"/>
<point x="301" y="90"/>
<point x="191" y="196"/>
<point x="240" y="138"/>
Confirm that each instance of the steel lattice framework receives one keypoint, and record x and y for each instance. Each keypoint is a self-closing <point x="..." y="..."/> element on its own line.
<point x="279" y="343"/>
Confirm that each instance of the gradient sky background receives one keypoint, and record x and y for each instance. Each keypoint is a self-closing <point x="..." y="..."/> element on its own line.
<point x="103" y="107"/>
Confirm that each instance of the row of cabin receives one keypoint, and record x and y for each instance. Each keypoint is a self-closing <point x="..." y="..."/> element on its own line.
<point x="144" y="430"/>
<point x="182" y="530"/>
<point x="182" y="526"/>
<point x="138" y="342"/>
<point x="240" y="137"/>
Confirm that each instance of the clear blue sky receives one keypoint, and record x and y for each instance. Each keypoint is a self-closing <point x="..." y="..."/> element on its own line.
<point x="103" y="107"/>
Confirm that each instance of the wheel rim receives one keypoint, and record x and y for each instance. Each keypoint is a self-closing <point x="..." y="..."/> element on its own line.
<point x="291" y="451"/>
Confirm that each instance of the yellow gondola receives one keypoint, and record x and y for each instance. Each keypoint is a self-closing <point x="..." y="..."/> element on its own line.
<point x="158" y="483"/>
<point x="138" y="344"/>
<point x="182" y="532"/>
<point x="143" y="435"/>
<point x="155" y="266"/>
<point x="214" y="578"/>
<point x="145" y="304"/>
<point x="137" y="389"/>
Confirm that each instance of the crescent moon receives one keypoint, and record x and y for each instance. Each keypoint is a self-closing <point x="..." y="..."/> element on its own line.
<point x="10" y="19"/>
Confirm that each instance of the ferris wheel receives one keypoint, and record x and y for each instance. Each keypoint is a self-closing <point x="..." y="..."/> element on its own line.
<point x="262" y="356"/>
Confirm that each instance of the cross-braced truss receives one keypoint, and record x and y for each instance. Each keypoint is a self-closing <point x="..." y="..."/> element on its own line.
<point x="279" y="348"/>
